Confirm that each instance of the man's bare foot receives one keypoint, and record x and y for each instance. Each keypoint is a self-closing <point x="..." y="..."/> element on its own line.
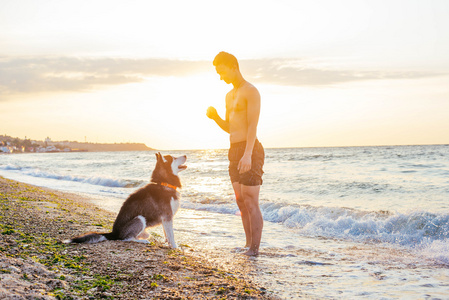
<point x="251" y="252"/>
<point x="239" y="249"/>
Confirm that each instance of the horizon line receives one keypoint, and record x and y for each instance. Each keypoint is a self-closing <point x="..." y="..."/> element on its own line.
<point x="298" y="147"/>
<point x="193" y="149"/>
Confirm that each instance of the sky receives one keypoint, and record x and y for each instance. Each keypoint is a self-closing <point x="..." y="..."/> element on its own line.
<point x="330" y="73"/>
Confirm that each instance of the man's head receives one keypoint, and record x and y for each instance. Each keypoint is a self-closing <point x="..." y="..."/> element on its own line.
<point x="226" y="66"/>
<point x="227" y="59"/>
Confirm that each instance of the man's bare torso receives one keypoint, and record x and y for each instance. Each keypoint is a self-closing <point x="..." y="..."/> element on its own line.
<point x="236" y="112"/>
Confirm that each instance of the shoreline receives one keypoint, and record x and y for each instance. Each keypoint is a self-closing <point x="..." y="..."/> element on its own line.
<point x="35" y="264"/>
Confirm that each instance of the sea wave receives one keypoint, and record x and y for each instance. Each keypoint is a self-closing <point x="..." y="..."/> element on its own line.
<point x="93" y="180"/>
<point x="223" y="208"/>
<point x="10" y="167"/>
<point x="407" y="229"/>
<point x="416" y="229"/>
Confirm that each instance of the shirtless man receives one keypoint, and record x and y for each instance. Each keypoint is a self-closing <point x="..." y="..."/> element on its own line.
<point x="246" y="154"/>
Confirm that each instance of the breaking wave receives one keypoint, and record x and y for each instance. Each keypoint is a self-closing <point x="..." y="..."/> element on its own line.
<point x="418" y="230"/>
<point x="93" y="180"/>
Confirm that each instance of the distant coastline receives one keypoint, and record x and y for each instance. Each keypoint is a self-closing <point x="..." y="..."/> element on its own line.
<point x="98" y="147"/>
<point x="15" y="145"/>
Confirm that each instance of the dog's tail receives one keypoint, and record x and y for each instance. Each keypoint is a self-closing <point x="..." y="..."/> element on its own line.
<point x="91" y="237"/>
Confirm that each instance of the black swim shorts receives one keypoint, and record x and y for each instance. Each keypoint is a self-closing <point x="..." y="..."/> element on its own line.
<point x="254" y="176"/>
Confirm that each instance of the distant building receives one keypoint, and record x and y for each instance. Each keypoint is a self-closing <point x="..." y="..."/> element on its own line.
<point x="51" y="149"/>
<point x="6" y="149"/>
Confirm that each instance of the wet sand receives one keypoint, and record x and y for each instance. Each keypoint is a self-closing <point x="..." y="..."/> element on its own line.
<point x="35" y="264"/>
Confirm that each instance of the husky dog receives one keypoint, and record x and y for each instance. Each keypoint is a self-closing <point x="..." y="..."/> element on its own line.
<point x="149" y="206"/>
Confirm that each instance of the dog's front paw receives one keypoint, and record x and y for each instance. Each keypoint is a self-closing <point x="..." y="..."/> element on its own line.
<point x="143" y="235"/>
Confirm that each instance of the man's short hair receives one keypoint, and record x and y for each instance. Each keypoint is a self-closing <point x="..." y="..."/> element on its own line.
<point x="227" y="59"/>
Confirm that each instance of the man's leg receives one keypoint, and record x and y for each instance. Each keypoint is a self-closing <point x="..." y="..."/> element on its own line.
<point x="243" y="212"/>
<point x="251" y="201"/>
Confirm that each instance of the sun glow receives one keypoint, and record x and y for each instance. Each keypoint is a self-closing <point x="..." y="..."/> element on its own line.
<point x="179" y="109"/>
<point x="162" y="112"/>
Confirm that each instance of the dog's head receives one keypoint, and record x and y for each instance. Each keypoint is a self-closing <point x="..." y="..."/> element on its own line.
<point x="167" y="169"/>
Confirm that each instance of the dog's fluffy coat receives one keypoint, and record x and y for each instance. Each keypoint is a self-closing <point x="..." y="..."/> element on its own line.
<point x="154" y="204"/>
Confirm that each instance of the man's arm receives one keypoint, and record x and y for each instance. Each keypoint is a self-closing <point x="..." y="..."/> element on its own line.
<point x="212" y="114"/>
<point x="253" y="112"/>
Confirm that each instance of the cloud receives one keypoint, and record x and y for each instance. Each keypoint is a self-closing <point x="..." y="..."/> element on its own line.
<point x="56" y="74"/>
<point x="296" y="73"/>
<point x="53" y="74"/>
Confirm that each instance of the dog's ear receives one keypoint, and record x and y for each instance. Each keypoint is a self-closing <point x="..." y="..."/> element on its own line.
<point x="160" y="158"/>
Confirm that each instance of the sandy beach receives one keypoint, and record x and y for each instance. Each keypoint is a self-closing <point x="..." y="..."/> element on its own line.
<point x="34" y="264"/>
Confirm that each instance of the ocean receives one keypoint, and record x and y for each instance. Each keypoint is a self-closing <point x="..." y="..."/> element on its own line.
<point x="339" y="223"/>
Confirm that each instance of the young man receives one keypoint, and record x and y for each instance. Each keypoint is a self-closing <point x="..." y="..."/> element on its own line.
<point x="246" y="154"/>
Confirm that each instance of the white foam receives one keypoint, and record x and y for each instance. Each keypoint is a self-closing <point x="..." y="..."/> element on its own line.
<point x="436" y="250"/>
<point x="93" y="180"/>
<point x="408" y="229"/>
<point x="10" y="167"/>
